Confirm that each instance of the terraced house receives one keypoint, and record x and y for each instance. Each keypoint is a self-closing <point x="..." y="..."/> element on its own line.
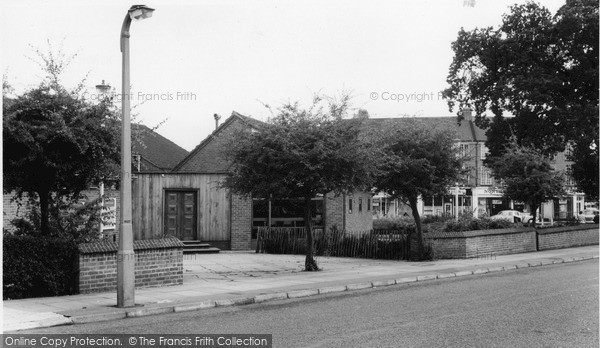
<point x="476" y="191"/>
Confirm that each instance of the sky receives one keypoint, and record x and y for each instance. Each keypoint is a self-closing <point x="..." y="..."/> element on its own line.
<point x="194" y="59"/>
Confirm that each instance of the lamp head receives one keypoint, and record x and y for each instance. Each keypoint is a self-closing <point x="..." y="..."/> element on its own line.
<point x="139" y="12"/>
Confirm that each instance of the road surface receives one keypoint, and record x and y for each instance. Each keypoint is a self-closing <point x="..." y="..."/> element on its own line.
<point x="549" y="306"/>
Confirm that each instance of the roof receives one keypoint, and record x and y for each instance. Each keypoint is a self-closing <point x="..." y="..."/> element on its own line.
<point x="158" y="153"/>
<point x="467" y="131"/>
<point x="207" y="156"/>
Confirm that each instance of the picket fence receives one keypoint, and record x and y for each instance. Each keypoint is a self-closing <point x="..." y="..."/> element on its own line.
<point x="374" y="244"/>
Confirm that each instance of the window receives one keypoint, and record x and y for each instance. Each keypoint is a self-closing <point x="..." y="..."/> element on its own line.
<point x="465" y="150"/>
<point x="569" y="176"/>
<point x="569" y="150"/>
<point x="137" y="162"/>
<point x="369" y="204"/>
<point x="483" y="151"/>
<point x="360" y="205"/>
<point x="485" y="176"/>
<point x="350" y="205"/>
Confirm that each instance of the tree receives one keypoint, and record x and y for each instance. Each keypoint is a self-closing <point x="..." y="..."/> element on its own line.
<point x="301" y="153"/>
<point x="526" y="175"/>
<point x="538" y="76"/>
<point x="417" y="160"/>
<point x="56" y="144"/>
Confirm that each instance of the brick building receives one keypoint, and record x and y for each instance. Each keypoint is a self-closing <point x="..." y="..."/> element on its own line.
<point x="476" y="190"/>
<point x="189" y="203"/>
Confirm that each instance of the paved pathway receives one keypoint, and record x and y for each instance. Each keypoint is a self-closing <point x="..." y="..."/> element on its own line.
<point x="237" y="278"/>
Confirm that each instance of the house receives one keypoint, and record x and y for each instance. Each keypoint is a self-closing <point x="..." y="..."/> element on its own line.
<point x="190" y="203"/>
<point x="476" y="191"/>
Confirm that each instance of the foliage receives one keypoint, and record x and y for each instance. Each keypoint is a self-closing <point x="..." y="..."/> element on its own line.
<point x="301" y="153"/>
<point x="393" y="223"/>
<point x="526" y="175"/>
<point x="56" y="143"/>
<point x="439" y="223"/>
<point x="541" y="69"/>
<point x="39" y="266"/>
<point x="69" y="220"/>
<point x="416" y="160"/>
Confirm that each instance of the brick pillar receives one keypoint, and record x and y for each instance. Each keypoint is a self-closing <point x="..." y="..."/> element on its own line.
<point x="241" y="223"/>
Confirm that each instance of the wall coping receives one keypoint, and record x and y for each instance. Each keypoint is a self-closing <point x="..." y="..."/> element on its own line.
<point x="113" y="247"/>
<point x="477" y="233"/>
<point x="561" y="229"/>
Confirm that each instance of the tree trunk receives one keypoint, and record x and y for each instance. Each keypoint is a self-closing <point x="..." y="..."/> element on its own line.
<point x="310" y="264"/>
<point x="417" y="254"/>
<point x="44" y="212"/>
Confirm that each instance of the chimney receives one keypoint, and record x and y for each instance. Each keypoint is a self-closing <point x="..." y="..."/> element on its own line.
<point x="217" y="118"/>
<point x="467" y="114"/>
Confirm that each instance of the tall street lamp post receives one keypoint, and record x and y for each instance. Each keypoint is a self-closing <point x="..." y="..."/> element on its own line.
<point x="125" y="253"/>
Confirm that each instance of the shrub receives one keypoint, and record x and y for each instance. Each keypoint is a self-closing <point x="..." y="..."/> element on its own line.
<point x="39" y="266"/>
<point x="69" y="219"/>
<point x="393" y="223"/>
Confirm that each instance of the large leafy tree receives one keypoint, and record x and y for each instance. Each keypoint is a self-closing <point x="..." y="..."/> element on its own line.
<point x="301" y="153"/>
<point x="417" y="160"/>
<point x="55" y="143"/>
<point x="538" y="76"/>
<point x="526" y="175"/>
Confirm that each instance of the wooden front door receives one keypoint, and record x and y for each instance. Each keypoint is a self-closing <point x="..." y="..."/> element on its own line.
<point x="180" y="214"/>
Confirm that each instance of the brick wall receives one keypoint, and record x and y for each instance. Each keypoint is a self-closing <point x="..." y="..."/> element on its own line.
<point x="334" y="211"/>
<point x="158" y="262"/>
<point x="241" y="223"/>
<point x="209" y="158"/>
<point x="471" y="244"/>
<point x="360" y="219"/>
<point x="12" y="210"/>
<point x="566" y="237"/>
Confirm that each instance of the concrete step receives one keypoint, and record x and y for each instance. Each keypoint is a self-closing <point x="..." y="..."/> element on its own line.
<point x="198" y="247"/>
<point x="211" y="250"/>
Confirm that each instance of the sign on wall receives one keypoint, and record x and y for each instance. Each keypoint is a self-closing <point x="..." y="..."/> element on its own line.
<point x="109" y="214"/>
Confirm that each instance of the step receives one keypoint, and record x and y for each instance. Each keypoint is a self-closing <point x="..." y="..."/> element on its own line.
<point x="211" y="250"/>
<point x="198" y="247"/>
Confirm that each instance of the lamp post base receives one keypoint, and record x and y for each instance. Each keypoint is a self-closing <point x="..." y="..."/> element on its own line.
<point x="125" y="278"/>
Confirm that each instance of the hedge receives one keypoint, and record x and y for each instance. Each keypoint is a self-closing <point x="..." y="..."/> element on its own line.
<point x="39" y="267"/>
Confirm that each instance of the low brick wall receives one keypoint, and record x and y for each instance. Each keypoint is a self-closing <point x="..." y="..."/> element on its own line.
<point x="158" y="262"/>
<point x="566" y="237"/>
<point x="484" y="243"/>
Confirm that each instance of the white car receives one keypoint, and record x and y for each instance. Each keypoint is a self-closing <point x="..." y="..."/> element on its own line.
<point x="513" y="216"/>
<point x="587" y="216"/>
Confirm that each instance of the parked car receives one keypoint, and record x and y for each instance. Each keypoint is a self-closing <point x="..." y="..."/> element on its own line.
<point x="513" y="216"/>
<point x="588" y="216"/>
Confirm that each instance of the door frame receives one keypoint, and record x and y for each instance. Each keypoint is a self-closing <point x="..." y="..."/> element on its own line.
<point x="164" y="206"/>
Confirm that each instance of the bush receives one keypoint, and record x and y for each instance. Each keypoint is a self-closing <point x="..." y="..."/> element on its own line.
<point x="70" y="219"/>
<point x="38" y="267"/>
<point x="393" y="223"/>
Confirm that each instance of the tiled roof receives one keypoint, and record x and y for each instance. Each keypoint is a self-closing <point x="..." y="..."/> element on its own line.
<point x="208" y="157"/>
<point x="467" y="131"/>
<point x="158" y="153"/>
<point x="109" y="247"/>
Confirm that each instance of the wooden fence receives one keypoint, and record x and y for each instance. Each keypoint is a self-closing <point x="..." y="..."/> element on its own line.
<point x="378" y="244"/>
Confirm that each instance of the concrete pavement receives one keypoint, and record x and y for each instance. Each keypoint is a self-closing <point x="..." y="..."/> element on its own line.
<point x="238" y="278"/>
